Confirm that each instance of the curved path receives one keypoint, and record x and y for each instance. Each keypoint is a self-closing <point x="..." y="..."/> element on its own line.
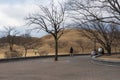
<point x="67" y="68"/>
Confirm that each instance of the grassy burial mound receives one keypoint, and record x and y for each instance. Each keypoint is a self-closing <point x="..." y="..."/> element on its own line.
<point x="70" y="38"/>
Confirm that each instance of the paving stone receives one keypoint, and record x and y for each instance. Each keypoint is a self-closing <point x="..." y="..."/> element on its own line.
<point x="67" y="68"/>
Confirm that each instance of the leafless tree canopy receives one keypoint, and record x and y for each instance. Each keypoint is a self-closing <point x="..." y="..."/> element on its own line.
<point x="107" y="11"/>
<point x="25" y="41"/>
<point x="50" y="20"/>
<point x="11" y="33"/>
<point x="98" y="18"/>
<point x="103" y="33"/>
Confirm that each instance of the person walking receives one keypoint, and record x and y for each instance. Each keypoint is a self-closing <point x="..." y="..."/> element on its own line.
<point x="71" y="51"/>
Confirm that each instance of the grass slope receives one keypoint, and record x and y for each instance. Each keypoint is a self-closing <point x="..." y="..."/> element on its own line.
<point x="70" y="38"/>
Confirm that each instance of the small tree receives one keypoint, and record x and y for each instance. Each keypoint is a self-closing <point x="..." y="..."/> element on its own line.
<point x="11" y="33"/>
<point x="3" y="42"/>
<point x="26" y="41"/>
<point x="50" y="20"/>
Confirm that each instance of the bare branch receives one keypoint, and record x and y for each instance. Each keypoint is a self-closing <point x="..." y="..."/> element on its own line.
<point x="49" y="20"/>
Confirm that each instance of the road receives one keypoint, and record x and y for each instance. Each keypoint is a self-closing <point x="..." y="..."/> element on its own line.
<point x="67" y="68"/>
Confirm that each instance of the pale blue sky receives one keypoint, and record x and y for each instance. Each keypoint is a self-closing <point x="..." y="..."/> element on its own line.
<point x="14" y="12"/>
<point x="19" y="1"/>
<point x="12" y="1"/>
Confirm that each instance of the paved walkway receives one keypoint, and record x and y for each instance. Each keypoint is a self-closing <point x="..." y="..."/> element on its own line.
<point x="67" y="68"/>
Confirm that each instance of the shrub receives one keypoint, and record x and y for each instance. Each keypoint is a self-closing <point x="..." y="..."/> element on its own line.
<point x="43" y="53"/>
<point x="13" y="54"/>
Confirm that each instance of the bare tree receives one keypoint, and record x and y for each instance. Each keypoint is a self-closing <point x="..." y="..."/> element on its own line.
<point x="11" y="33"/>
<point x="107" y="11"/>
<point x="90" y="15"/>
<point x="3" y="42"/>
<point x="103" y="33"/>
<point x="25" y="41"/>
<point x="116" y="43"/>
<point x="84" y="10"/>
<point x="50" y="20"/>
<point x="112" y="8"/>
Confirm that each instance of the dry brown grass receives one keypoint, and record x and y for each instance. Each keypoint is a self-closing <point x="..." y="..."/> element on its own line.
<point x="113" y="56"/>
<point x="70" y="38"/>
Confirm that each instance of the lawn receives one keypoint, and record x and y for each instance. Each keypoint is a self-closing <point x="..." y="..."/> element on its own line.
<point x="113" y="56"/>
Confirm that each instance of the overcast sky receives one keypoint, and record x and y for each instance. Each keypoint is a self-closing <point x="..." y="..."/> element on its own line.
<point x="13" y="12"/>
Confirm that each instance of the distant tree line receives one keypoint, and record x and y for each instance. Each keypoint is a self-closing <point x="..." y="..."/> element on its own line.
<point x="13" y="37"/>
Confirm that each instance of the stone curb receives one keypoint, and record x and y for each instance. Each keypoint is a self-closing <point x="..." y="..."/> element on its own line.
<point x="37" y="57"/>
<point x="106" y="61"/>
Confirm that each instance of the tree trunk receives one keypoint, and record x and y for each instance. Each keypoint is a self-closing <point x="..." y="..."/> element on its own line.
<point x="56" y="49"/>
<point x="25" y="52"/>
<point x="108" y="50"/>
<point x="11" y="47"/>
<point x="82" y="50"/>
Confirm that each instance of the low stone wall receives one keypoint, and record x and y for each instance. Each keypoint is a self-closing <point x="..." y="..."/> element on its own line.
<point x="37" y="57"/>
